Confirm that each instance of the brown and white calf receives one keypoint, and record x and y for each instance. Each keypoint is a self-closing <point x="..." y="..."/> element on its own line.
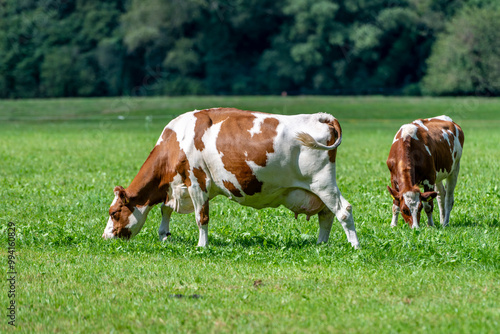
<point x="424" y="153"/>
<point x="256" y="159"/>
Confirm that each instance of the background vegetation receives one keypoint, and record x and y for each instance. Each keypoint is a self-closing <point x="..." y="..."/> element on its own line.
<point x="59" y="48"/>
<point x="262" y="271"/>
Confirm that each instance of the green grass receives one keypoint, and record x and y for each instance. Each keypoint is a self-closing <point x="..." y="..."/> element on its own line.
<point x="60" y="160"/>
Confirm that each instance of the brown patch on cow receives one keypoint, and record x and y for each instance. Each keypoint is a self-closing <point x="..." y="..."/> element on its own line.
<point x="236" y="144"/>
<point x="201" y="177"/>
<point x="203" y="122"/>
<point x="207" y="117"/>
<point x="165" y="161"/>
<point x="183" y="169"/>
<point x="204" y="217"/>
<point x="335" y="133"/>
<point x="229" y="186"/>
<point x="239" y="147"/>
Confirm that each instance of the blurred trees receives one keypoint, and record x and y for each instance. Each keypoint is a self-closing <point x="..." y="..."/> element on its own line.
<point x="54" y="48"/>
<point x="465" y="57"/>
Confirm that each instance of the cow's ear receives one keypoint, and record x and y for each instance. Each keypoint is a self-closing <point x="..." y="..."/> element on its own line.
<point x="394" y="193"/>
<point x="122" y="194"/>
<point x="428" y="196"/>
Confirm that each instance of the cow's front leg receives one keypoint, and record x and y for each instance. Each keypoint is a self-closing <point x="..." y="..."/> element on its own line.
<point x="429" y="207"/>
<point x="395" y="215"/>
<point x="325" y="219"/>
<point x="344" y="215"/>
<point x="164" y="230"/>
<point x="334" y="200"/>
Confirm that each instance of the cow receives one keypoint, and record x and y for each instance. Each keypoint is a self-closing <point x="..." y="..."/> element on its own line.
<point x="253" y="158"/>
<point x="423" y="154"/>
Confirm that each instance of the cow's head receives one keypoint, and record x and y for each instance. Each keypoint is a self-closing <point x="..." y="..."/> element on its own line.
<point x="125" y="219"/>
<point x="410" y="203"/>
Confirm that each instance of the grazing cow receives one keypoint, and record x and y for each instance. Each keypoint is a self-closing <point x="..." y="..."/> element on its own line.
<point x="256" y="159"/>
<point x="423" y="154"/>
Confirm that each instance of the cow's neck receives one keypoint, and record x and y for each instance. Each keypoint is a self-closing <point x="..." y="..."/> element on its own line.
<point x="147" y="188"/>
<point x="406" y="179"/>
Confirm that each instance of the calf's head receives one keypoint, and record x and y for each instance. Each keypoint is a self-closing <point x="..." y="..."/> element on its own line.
<point x="410" y="203"/>
<point x="125" y="220"/>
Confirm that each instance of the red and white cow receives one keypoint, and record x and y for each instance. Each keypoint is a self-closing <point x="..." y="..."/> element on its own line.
<point x="256" y="159"/>
<point x="424" y="153"/>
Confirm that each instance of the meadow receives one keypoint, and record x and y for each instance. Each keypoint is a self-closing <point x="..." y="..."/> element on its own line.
<point x="262" y="271"/>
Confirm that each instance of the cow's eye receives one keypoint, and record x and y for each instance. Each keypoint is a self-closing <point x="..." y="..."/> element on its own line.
<point x="406" y="211"/>
<point x="112" y="214"/>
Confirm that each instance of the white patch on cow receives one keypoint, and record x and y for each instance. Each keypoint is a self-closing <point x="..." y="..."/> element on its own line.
<point x="445" y="136"/>
<point x="419" y="123"/>
<point x="108" y="231"/>
<point x="412" y="199"/>
<point x="137" y="219"/>
<point x="442" y="118"/>
<point x="442" y="174"/>
<point x="428" y="151"/>
<point x="409" y="130"/>
<point x="457" y="147"/>
<point x="396" y="137"/>
<point x="257" y="123"/>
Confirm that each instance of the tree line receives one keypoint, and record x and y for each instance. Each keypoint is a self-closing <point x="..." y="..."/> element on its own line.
<point x="61" y="48"/>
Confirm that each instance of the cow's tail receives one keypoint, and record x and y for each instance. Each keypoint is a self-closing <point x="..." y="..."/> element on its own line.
<point x="307" y="140"/>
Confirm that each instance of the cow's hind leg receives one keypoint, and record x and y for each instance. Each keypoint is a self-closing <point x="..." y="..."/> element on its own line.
<point x="202" y="219"/>
<point x="451" y="182"/>
<point x="440" y="200"/>
<point x="343" y="211"/>
<point x="200" y="203"/>
<point x="164" y="230"/>
<point x="325" y="218"/>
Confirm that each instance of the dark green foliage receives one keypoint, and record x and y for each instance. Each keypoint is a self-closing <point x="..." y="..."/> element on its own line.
<point x="55" y="48"/>
<point x="465" y="57"/>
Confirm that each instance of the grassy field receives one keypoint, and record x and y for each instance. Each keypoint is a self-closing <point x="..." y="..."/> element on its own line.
<point x="263" y="272"/>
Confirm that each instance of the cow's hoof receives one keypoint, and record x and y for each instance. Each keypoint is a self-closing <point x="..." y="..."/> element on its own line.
<point x="165" y="238"/>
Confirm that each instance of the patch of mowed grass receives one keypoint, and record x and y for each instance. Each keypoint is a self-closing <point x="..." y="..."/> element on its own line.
<point x="262" y="271"/>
